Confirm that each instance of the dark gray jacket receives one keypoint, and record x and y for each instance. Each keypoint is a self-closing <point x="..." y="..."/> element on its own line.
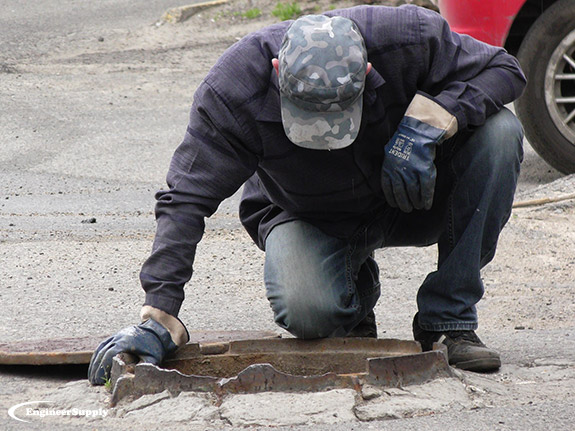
<point x="235" y="136"/>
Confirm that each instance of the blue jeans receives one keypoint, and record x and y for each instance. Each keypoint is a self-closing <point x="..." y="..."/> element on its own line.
<point x="320" y="286"/>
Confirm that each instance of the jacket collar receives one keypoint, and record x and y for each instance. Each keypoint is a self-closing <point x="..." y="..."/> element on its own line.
<point x="271" y="111"/>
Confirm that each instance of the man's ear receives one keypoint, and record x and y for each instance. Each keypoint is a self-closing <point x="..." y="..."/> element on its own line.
<point x="367" y="69"/>
<point x="276" y="65"/>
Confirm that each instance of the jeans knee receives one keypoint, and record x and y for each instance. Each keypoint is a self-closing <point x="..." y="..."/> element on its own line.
<point x="307" y="319"/>
<point x="504" y="138"/>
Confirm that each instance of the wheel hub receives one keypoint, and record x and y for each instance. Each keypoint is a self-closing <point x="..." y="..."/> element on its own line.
<point x="560" y="87"/>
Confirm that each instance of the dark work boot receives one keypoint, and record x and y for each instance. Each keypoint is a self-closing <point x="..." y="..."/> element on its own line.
<point x="366" y="328"/>
<point x="465" y="349"/>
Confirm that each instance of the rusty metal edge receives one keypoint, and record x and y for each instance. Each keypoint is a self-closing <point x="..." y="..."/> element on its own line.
<point x="266" y="378"/>
<point x="394" y="371"/>
<point x="46" y="358"/>
<point x="78" y="350"/>
<point x="398" y="371"/>
<point x="123" y="388"/>
<point x="391" y="345"/>
<point x="135" y="380"/>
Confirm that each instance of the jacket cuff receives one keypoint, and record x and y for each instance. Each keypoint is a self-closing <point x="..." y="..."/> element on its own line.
<point x="175" y="327"/>
<point x="430" y="112"/>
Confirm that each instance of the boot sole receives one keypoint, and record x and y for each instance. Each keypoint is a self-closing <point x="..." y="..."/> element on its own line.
<point x="479" y="365"/>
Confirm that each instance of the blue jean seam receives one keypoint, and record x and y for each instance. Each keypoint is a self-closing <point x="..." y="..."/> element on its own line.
<point x="349" y="276"/>
<point x="450" y="218"/>
<point x="450" y="326"/>
<point x="352" y="247"/>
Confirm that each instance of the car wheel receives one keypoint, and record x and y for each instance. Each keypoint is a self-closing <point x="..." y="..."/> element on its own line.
<point x="547" y="107"/>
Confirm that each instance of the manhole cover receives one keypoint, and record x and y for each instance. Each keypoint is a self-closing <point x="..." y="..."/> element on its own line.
<point x="286" y="365"/>
<point x="57" y="351"/>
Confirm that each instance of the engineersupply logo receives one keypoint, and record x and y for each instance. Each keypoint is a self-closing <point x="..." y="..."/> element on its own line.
<point x="35" y="411"/>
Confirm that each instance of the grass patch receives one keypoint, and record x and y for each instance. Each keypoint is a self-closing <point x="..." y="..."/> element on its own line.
<point x="253" y="13"/>
<point x="108" y="384"/>
<point x="285" y="11"/>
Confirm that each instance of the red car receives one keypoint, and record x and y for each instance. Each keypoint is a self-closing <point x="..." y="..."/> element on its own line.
<point x="541" y="33"/>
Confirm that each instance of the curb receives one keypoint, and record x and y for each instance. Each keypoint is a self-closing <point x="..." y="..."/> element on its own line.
<point x="182" y="13"/>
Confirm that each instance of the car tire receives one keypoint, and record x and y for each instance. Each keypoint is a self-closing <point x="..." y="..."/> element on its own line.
<point x="547" y="106"/>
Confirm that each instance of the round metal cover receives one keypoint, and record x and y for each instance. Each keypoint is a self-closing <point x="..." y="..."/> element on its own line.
<point x="79" y="350"/>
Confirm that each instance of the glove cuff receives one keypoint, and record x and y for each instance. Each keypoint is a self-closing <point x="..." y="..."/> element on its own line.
<point x="175" y="327"/>
<point x="430" y="112"/>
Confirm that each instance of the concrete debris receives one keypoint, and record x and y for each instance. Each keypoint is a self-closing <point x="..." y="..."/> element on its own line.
<point x="185" y="408"/>
<point x="369" y="392"/>
<point x="281" y="409"/>
<point x="144" y="402"/>
<point x="77" y="396"/>
<point x="433" y="397"/>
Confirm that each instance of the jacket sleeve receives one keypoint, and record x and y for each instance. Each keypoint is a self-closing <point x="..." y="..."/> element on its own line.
<point x="209" y="165"/>
<point x="470" y="79"/>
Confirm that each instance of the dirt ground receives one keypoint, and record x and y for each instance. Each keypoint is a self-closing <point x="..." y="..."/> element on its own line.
<point x="89" y="123"/>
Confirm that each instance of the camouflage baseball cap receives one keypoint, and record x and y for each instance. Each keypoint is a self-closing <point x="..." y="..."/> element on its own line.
<point x="322" y="65"/>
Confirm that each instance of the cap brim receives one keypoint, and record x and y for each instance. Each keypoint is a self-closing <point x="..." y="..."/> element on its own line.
<point x="321" y="130"/>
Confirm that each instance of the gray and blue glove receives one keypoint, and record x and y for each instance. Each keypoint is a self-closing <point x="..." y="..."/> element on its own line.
<point x="408" y="172"/>
<point x="150" y="341"/>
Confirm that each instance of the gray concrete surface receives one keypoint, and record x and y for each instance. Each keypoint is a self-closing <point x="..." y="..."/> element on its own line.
<point x="94" y="97"/>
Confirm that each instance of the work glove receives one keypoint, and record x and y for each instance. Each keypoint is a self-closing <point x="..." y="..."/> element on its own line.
<point x="150" y="341"/>
<point x="408" y="172"/>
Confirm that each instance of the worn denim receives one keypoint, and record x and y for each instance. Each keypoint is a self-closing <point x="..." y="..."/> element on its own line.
<point x="321" y="286"/>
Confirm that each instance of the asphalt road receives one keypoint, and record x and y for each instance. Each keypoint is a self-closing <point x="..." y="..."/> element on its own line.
<point x="35" y="28"/>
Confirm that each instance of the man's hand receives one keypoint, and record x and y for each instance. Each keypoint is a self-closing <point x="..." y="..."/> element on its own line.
<point x="149" y="340"/>
<point x="408" y="172"/>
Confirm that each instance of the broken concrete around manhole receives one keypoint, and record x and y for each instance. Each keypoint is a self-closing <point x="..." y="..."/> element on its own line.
<point x="281" y="365"/>
<point x="272" y="409"/>
<point x="289" y="409"/>
<point x="187" y="407"/>
<point x="430" y="398"/>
